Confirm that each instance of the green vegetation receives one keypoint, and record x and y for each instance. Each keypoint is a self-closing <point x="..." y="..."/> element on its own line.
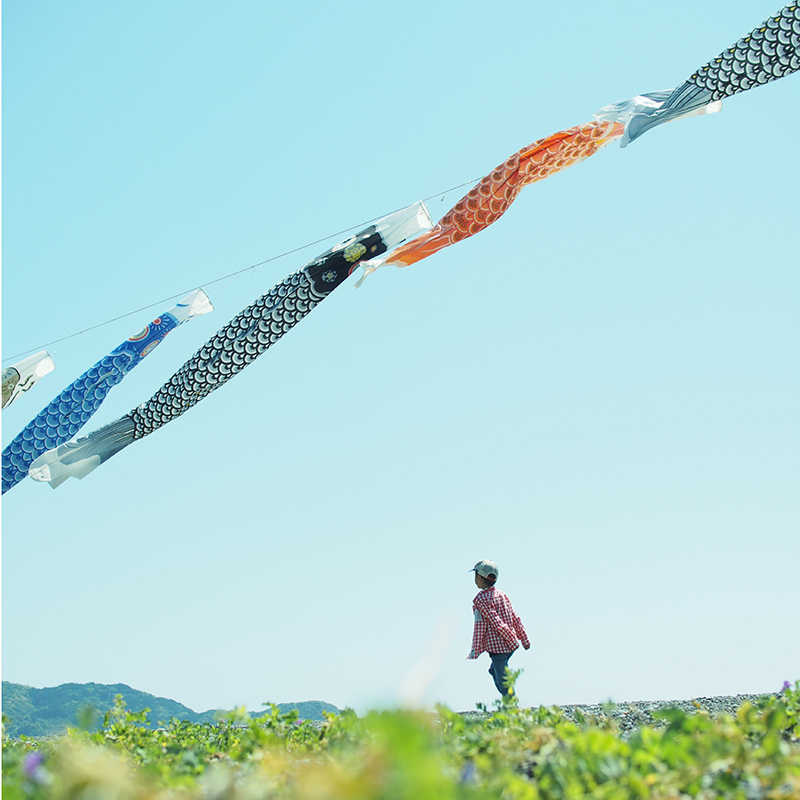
<point x="48" y="712"/>
<point x="508" y="753"/>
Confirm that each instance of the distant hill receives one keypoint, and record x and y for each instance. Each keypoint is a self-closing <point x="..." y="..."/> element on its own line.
<point x="50" y="711"/>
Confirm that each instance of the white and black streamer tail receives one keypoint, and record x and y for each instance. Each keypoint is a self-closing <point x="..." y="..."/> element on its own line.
<point x="768" y="52"/>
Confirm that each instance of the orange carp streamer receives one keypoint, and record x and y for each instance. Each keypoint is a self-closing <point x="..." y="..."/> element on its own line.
<point x="489" y="200"/>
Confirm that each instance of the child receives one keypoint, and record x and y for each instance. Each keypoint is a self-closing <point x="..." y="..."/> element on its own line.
<point x="497" y="627"/>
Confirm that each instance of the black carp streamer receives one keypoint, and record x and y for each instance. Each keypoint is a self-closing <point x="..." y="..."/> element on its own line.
<point x="249" y="334"/>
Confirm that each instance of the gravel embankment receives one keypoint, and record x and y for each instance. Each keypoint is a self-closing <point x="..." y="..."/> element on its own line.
<point x="630" y="716"/>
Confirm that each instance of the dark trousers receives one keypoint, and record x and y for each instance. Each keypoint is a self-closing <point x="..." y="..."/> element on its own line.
<point x="498" y="670"/>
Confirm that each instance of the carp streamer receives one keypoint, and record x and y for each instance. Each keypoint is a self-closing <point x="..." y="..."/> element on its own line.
<point x="249" y="334"/>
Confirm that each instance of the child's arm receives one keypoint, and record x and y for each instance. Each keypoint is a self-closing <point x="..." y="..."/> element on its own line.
<point x="479" y="631"/>
<point x="523" y="637"/>
<point x="478" y="635"/>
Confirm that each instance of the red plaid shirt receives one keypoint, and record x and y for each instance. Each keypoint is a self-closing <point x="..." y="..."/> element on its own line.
<point x="497" y="626"/>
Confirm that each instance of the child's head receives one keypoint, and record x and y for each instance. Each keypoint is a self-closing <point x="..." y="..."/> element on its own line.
<point x="486" y="573"/>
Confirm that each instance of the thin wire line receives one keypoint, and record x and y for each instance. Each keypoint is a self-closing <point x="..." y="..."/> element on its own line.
<point x="225" y="277"/>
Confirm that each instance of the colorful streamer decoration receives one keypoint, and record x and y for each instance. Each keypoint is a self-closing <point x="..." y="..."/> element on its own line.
<point x="20" y="377"/>
<point x="230" y="350"/>
<point x="768" y="52"/>
<point x="71" y="410"/>
<point x="491" y="198"/>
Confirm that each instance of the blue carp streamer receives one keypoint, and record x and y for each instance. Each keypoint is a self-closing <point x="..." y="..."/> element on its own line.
<point x="71" y="410"/>
<point x="768" y="52"/>
<point x="249" y="334"/>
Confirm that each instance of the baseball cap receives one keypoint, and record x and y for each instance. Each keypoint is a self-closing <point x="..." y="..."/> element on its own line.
<point x="486" y="569"/>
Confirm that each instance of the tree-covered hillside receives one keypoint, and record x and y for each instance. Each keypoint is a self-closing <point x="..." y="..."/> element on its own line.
<point x="49" y="711"/>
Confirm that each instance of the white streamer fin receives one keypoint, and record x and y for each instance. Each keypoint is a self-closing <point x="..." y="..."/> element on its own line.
<point x="76" y="459"/>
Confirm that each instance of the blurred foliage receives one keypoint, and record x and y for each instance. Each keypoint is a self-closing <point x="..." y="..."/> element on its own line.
<point x="505" y="752"/>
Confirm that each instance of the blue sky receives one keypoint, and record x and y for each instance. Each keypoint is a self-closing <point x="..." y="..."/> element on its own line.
<point x="599" y="392"/>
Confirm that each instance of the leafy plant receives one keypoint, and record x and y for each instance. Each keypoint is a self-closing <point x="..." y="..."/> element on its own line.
<point x="504" y="752"/>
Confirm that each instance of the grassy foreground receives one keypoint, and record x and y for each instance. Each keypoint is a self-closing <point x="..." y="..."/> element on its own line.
<point x="508" y="753"/>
